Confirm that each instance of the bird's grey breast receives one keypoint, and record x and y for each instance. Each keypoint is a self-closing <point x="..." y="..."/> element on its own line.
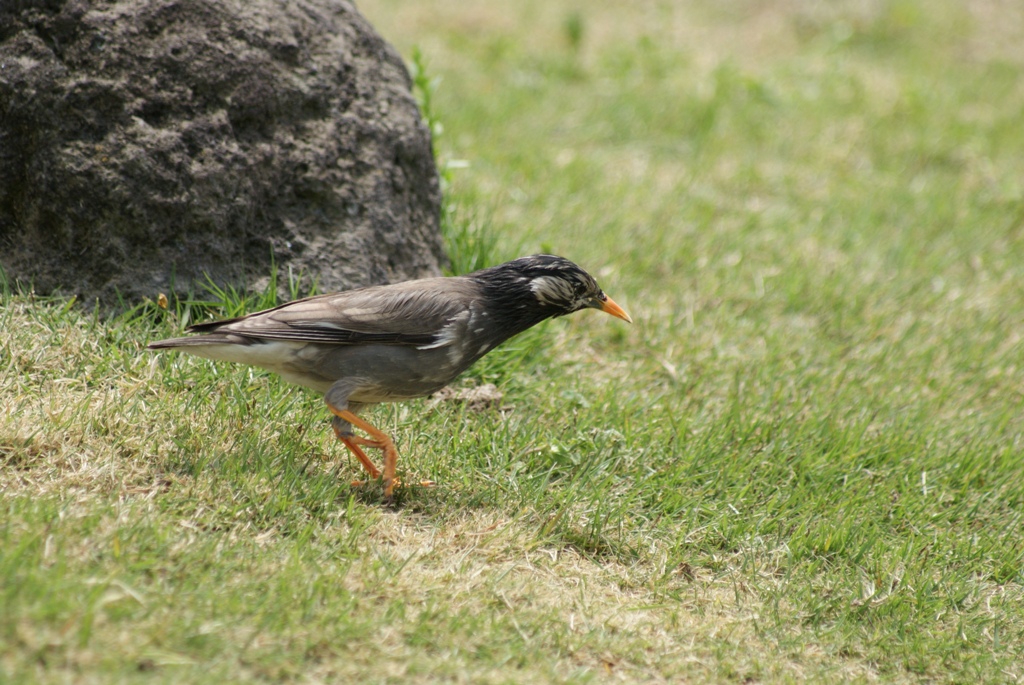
<point x="385" y="373"/>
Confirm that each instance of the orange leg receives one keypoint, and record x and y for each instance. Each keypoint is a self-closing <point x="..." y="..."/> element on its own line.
<point x="352" y="443"/>
<point x="379" y="440"/>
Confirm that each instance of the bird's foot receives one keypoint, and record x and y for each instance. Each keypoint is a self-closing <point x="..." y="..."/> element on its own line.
<point x="397" y="483"/>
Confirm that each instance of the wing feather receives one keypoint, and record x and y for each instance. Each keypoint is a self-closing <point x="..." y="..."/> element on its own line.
<point x="410" y="313"/>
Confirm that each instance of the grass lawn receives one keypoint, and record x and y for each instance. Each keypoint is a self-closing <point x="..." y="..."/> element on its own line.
<point x="803" y="462"/>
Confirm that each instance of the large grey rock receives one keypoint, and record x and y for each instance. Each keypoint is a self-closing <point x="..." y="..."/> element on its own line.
<point x="144" y="143"/>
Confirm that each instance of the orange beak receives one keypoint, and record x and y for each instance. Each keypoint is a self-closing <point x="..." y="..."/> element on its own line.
<point x="608" y="306"/>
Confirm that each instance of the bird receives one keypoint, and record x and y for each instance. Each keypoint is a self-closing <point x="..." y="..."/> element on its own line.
<point x="388" y="343"/>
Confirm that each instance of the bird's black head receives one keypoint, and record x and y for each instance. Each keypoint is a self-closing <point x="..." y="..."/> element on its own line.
<point x="542" y="286"/>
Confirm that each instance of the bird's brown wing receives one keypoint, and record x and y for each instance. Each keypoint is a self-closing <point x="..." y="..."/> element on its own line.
<point x="410" y="313"/>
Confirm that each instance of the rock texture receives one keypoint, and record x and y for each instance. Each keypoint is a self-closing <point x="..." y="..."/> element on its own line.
<point x="145" y="143"/>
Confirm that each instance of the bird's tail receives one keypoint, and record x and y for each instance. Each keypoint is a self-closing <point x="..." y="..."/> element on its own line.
<point x="193" y="341"/>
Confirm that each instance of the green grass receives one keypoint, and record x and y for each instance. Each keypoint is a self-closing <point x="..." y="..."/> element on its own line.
<point x="803" y="462"/>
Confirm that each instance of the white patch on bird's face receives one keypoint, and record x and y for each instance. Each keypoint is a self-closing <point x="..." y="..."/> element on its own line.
<point x="553" y="291"/>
